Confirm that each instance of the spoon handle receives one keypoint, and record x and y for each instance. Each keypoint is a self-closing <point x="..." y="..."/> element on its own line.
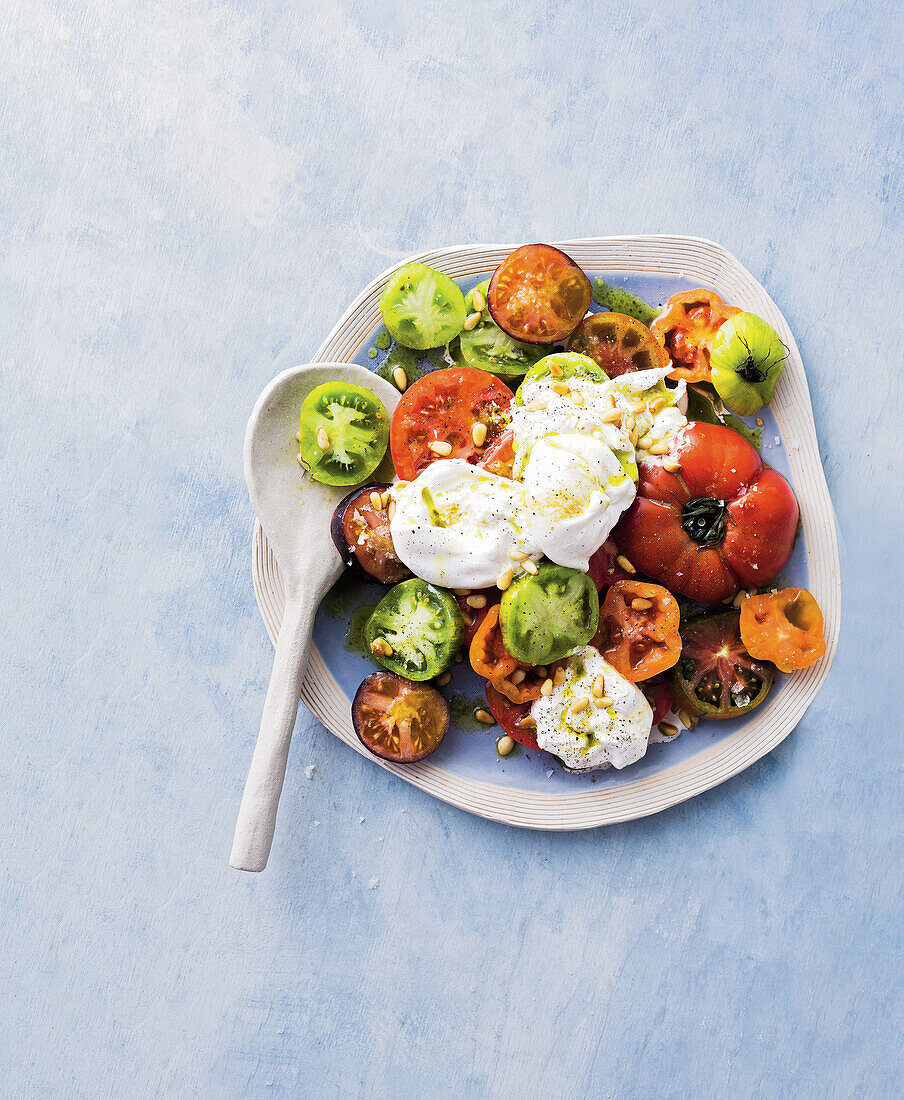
<point x="257" y="813"/>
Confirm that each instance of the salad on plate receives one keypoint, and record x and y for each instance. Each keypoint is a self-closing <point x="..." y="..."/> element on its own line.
<point x="576" y="509"/>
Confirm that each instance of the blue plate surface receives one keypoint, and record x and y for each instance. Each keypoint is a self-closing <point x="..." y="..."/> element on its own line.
<point x="468" y="749"/>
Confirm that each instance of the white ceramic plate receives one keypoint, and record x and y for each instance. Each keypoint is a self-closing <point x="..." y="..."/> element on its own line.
<point x="705" y="264"/>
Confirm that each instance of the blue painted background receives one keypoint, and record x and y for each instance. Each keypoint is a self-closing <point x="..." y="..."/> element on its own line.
<point x="190" y="193"/>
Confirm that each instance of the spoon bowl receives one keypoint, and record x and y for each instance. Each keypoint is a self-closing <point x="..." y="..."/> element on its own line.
<point x="294" y="512"/>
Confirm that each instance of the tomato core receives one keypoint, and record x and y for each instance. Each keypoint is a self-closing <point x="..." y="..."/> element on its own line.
<point x="703" y="520"/>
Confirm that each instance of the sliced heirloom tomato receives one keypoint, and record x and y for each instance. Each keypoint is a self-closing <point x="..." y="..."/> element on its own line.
<point x="716" y="677"/>
<point x="619" y="344"/>
<point x="517" y="681"/>
<point x="721" y="521"/>
<point x="398" y="720"/>
<point x="443" y="407"/>
<point x="342" y="433"/>
<point x="538" y="294"/>
<point x="546" y="616"/>
<point x="783" y="627"/>
<point x="514" y="718"/>
<point x="687" y="328"/>
<point x="422" y="308"/>
<point x="415" y="630"/>
<point x="360" y="531"/>
<point x="638" y="631"/>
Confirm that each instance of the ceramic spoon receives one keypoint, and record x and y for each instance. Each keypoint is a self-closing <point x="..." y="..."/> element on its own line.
<point x="294" y="512"/>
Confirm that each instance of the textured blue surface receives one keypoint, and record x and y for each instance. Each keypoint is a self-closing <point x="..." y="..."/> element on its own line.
<point x="191" y="192"/>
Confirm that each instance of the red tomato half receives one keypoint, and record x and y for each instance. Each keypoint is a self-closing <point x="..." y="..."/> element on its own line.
<point x="722" y="521"/>
<point x="443" y="407"/>
<point x="538" y="294"/>
<point x="508" y="715"/>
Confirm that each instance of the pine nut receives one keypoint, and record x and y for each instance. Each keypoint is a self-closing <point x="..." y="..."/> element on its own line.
<point x="541" y="671"/>
<point x="622" y="562"/>
<point x="672" y="465"/>
<point x="400" y="378"/>
<point x="440" y="447"/>
<point x="323" y="440"/>
<point x="505" y="745"/>
<point x="559" y="677"/>
<point x="605" y="701"/>
<point x="645" y="442"/>
<point x="610" y="399"/>
<point x="640" y="604"/>
<point x="517" y="677"/>
<point x="656" y="405"/>
<point x="555" y="370"/>
<point x="660" y="449"/>
<point x="667" y="729"/>
<point x="598" y="685"/>
<point x="479" y="433"/>
<point x="478" y="300"/>
<point x="561" y="389"/>
<point x="546" y="688"/>
<point x="529" y="567"/>
<point x="443" y="679"/>
<point x="472" y="322"/>
<point x="376" y="500"/>
<point x="485" y="717"/>
<point x="611" y="416"/>
<point x="739" y="598"/>
<point x="538" y="406"/>
<point x="577" y="398"/>
<point x="505" y="578"/>
<point x="517" y="555"/>
<point x="581" y="703"/>
<point x="385" y="498"/>
<point x="476" y="601"/>
<point x="462" y="591"/>
<point x="629" y="424"/>
<point x="526" y="722"/>
<point x="391" y="509"/>
<point x="687" y="719"/>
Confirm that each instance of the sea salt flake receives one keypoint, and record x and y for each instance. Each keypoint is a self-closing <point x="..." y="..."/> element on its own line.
<point x="373" y="883"/>
<point x="309" y="771"/>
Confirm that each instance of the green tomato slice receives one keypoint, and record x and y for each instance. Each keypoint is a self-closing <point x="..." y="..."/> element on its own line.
<point x="747" y="359"/>
<point x="415" y="630"/>
<point x="343" y="433"/>
<point x="546" y="617"/>
<point x="422" y="308"/>
<point x="487" y="347"/>
<point x="569" y="363"/>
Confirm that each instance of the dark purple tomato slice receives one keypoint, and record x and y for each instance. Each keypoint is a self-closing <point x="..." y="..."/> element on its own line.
<point x="538" y="294"/>
<point x="360" y="530"/>
<point x="715" y="676"/>
<point x="397" y="719"/>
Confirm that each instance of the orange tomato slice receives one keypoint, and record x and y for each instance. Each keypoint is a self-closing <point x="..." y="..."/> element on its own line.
<point x="638" y="632"/>
<point x="687" y="328"/>
<point x="783" y="627"/>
